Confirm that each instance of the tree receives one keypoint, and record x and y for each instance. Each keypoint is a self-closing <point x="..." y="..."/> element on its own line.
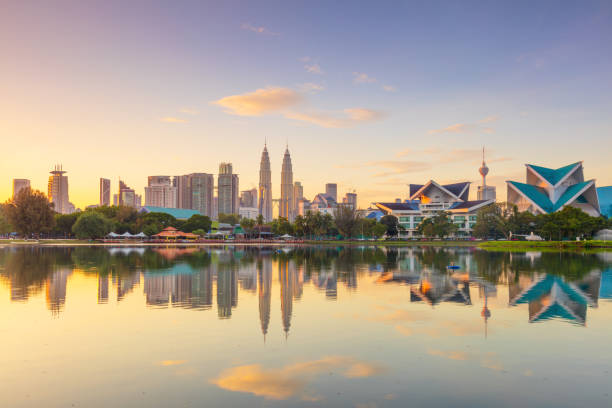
<point x="232" y="219"/>
<point x="5" y="225"/>
<point x="30" y="212"/>
<point x="346" y="219"/>
<point x="199" y="232"/>
<point x="378" y="230"/>
<point x="64" y="223"/>
<point x="91" y="225"/>
<point x="439" y="226"/>
<point x="281" y="226"/>
<point x="260" y="220"/>
<point x="197" y="221"/>
<point x="247" y="224"/>
<point x="392" y="223"/>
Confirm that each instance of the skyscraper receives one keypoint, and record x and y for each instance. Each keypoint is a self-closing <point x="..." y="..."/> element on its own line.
<point x="183" y="191"/>
<point x="105" y="186"/>
<point x="227" y="190"/>
<point x="201" y="186"/>
<point x="160" y="192"/>
<point x="248" y="198"/>
<point x="286" y="205"/>
<point x="331" y="189"/>
<point x="350" y="199"/>
<point x="298" y="195"/>
<point x="58" y="190"/>
<point x="127" y="196"/>
<point x="265" y="186"/>
<point x="18" y="185"/>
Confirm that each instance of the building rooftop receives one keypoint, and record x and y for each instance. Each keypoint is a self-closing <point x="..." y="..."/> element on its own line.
<point x="553" y="176"/>
<point x="178" y="213"/>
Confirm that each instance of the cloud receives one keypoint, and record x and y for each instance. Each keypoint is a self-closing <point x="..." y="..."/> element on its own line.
<point x="313" y="69"/>
<point x="395" y="167"/>
<point x="466" y="128"/>
<point x="189" y="111"/>
<point x="285" y="382"/>
<point x="258" y="30"/>
<point x="262" y="101"/>
<point x="362" y="78"/>
<point x="167" y="363"/>
<point x="170" y="119"/>
<point x="389" y="88"/>
<point x="310" y="87"/>
<point x="350" y="117"/>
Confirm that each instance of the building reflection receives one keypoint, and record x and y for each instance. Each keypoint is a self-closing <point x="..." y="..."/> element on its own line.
<point x="548" y="286"/>
<point x="264" y="266"/>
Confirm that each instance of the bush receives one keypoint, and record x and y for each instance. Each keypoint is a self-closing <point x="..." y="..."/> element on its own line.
<point x="91" y="225"/>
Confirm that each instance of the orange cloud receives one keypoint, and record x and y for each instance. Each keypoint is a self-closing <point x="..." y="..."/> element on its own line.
<point x="468" y="127"/>
<point x="167" y="363"/>
<point x="352" y="116"/>
<point x="283" y="383"/>
<point x="260" y="102"/>
<point x="257" y="29"/>
<point x="362" y="78"/>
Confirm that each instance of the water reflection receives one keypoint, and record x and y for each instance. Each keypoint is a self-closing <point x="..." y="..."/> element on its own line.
<point x="552" y="286"/>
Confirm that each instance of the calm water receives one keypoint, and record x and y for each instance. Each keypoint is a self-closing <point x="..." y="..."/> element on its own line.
<point x="248" y="327"/>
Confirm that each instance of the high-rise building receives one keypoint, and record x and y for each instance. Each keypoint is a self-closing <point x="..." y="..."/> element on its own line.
<point x="286" y="206"/>
<point x="331" y="189"/>
<point x="58" y="191"/>
<point x="127" y="196"/>
<point x="485" y="192"/>
<point x="227" y="190"/>
<point x="248" y="198"/>
<point x="183" y="191"/>
<point x="265" y="186"/>
<point x="350" y="199"/>
<point x="298" y="195"/>
<point x="18" y="185"/>
<point x="201" y="186"/>
<point x="160" y="192"/>
<point x="105" y="187"/>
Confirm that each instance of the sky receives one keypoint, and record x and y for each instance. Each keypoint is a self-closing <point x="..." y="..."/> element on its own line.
<point x="370" y="95"/>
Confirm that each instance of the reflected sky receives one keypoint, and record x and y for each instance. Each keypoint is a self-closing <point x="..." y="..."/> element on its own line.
<point x="310" y="326"/>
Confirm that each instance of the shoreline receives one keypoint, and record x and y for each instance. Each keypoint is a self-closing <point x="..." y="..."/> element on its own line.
<point x="485" y="245"/>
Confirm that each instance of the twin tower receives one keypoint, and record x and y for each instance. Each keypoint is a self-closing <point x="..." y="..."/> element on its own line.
<point x="287" y="207"/>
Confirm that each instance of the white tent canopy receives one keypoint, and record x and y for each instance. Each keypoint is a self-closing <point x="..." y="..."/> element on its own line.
<point x="140" y="235"/>
<point x="126" y="234"/>
<point x="286" y="236"/>
<point x="112" y="235"/>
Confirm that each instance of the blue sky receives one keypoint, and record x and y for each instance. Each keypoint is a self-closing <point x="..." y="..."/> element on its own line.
<point x="372" y="95"/>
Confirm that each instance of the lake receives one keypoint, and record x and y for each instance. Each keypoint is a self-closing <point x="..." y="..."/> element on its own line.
<point x="242" y="326"/>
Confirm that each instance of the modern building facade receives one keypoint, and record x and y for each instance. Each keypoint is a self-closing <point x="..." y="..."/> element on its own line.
<point x="331" y="189"/>
<point x="549" y="190"/>
<point x="287" y="205"/>
<point x="604" y="194"/>
<point x="201" y="187"/>
<point x="58" y="191"/>
<point x="227" y="190"/>
<point x="105" y="192"/>
<point x="248" y="198"/>
<point x="265" y="186"/>
<point x="298" y="195"/>
<point x="427" y="200"/>
<point x="160" y="192"/>
<point x="127" y="196"/>
<point x="183" y="191"/>
<point x="18" y="185"/>
<point x="350" y="199"/>
<point x="485" y="192"/>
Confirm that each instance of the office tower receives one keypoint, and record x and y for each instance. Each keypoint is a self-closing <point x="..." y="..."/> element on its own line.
<point x="201" y="186"/>
<point x="105" y="186"/>
<point x="248" y="198"/>
<point x="183" y="191"/>
<point x="227" y="190"/>
<point x="298" y="195"/>
<point x="350" y="199"/>
<point x="160" y="192"/>
<point x="264" y="274"/>
<point x="127" y="196"/>
<point x="58" y="190"/>
<point x="485" y="192"/>
<point x="18" y="185"/>
<point x="265" y="187"/>
<point x="331" y="189"/>
<point x="286" y="205"/>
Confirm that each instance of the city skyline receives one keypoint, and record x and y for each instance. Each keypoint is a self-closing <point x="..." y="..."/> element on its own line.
<point x="375" y="124"/>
